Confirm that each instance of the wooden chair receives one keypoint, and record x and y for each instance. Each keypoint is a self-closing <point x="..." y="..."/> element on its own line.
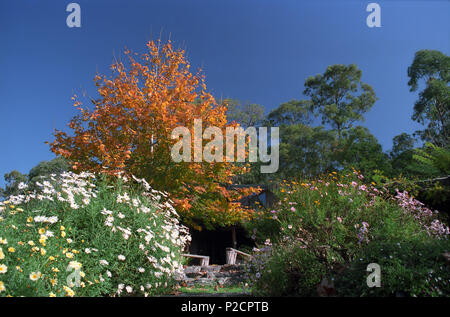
<point x="233" y="253"/>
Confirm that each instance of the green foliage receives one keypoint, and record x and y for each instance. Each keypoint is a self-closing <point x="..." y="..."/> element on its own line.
<point x="290" y="113"/>
<point x="289" y="271"/>
<point x="401" y="143"/>
<point x="426" y="64"/>
<point x="13" y="180"/>
<point x="408" y="268"/>
<point x="341" y="99"/>
<point x="433" y="163"/>
<point x="433" y="160"/>
<point x="40" y="172"/>
<point x="246" y="114"/>
<point x="432" y="108"/>
<point x="304" y="150"/>
<point x="326" y="224"/>
<point x="401" y="154"/>
<point x="46" y="168"/>
<point x="401" y="183"/>
<point x="123" y="237"/>
<point x="339" y="96"/>
<point x="360" y="149"/>
<point x="197" y="290"/>
<point x="263" y="227"/>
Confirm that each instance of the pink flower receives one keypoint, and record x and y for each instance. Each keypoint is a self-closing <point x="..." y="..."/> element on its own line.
<point x="293" y="209"/>
<point x="339" y="219"/>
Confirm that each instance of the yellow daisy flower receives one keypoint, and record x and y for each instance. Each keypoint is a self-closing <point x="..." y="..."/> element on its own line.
<point x="69" y="291"/>
<point x="53" y="281"/>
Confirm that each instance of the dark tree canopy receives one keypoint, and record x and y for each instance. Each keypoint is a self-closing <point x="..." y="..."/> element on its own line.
<point x="402" y="143"/>
<point x="305" y="150"/>
<point x="13" y="179"/>
<point x="41" y="171"/>
<point x="428" y="64"/>
<point x="246" y="114"/>
<point x="291" y="112"/>
<point x="360" y="149"/>
<point x="46" y="168"/>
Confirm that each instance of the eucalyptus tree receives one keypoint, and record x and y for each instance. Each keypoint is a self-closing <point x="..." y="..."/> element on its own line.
<point x="339" y="96"/>
<point x="432" y="107"/>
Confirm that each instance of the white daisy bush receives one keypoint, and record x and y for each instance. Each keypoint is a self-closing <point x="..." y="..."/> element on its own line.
<point x="84" y="235"/>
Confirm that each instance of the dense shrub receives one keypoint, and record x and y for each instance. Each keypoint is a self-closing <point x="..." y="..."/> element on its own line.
<point x="119" y="236"/>
<point x="411" y="268"/>
<point x="287" y="269"/>
<point x="327" y="223"/>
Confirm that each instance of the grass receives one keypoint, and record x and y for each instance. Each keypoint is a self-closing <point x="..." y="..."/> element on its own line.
<point x="213" y="290"/>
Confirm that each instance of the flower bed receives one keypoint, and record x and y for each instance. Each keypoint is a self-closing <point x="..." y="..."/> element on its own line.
<point x="333" y="227"/>
<point x="78" y="235"/>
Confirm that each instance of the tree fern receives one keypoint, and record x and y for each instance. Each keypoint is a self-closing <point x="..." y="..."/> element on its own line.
<point x="432" y="160"/>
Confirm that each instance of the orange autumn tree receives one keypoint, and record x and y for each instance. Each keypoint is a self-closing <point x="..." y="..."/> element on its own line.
<point x="129" y="131"/>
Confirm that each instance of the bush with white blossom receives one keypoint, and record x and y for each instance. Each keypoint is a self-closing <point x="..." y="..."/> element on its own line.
<point x="82" y="235"/>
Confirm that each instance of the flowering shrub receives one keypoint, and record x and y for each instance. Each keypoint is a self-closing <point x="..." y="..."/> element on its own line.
<point x="325" y="224"/>
<point x="410" y="268"/>
<point x="424" y="215"/>
<point x="82" y="236"/>
<point x="279" y="271"/>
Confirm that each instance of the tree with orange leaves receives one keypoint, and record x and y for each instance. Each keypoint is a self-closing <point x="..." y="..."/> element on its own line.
<point x="129" y="131"/>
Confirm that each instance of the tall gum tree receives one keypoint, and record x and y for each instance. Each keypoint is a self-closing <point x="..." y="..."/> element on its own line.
<point x="339" y="96"/>
<point x="433" y="106"/>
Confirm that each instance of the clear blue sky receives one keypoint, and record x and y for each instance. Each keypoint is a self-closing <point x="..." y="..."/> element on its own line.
<point x="258" y="51"/>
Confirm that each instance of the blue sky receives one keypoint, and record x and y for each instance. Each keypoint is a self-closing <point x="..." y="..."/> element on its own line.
<point x="253" y="50"/>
